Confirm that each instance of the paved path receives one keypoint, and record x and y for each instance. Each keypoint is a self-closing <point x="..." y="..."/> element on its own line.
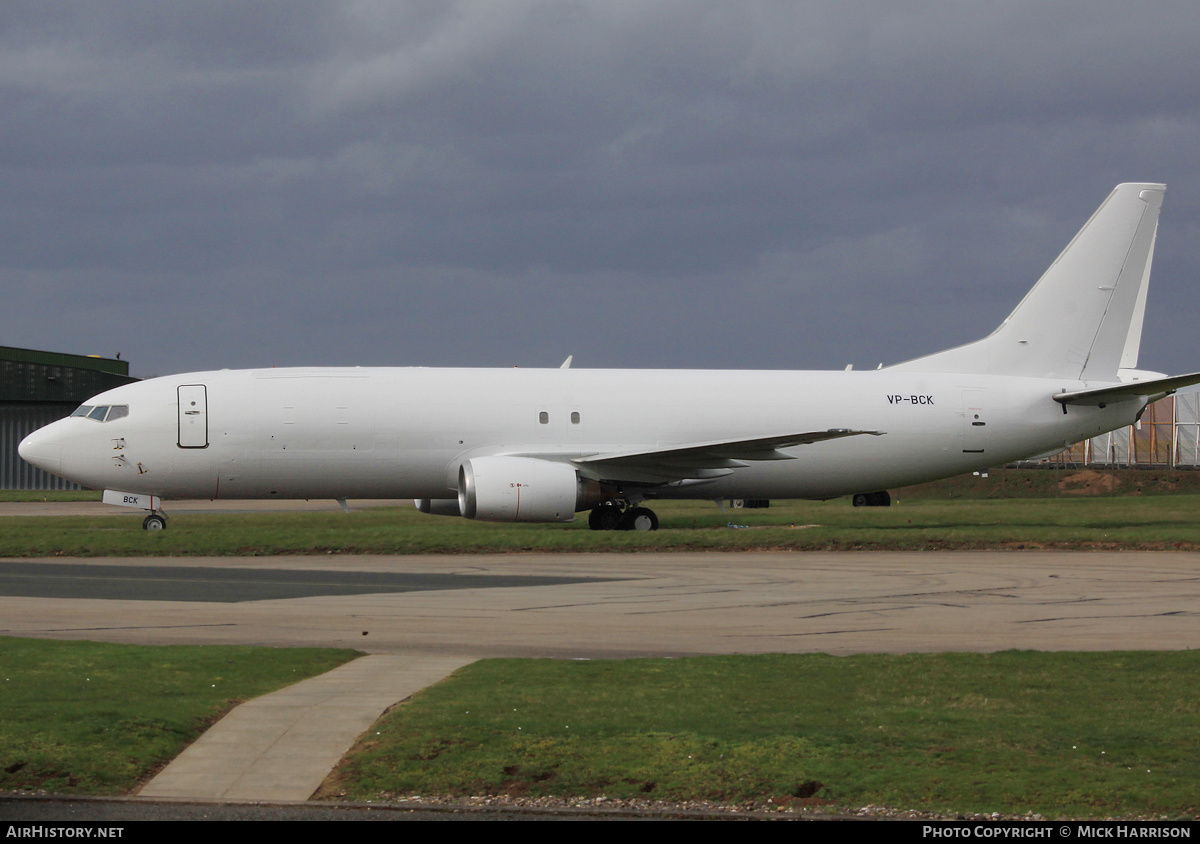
<point x="283" y="745"/>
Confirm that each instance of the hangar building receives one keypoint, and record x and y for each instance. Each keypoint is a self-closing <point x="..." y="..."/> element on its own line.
<point x="37" y="388"/>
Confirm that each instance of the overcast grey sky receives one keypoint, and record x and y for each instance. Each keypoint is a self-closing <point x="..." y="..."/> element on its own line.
<point x="669" y="184"/>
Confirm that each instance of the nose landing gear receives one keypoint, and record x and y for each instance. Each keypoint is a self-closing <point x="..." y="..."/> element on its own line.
<point x="155" y="521"/>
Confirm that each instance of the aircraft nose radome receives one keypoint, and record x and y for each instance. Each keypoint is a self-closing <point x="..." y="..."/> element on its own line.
<point x="42" y="451"/>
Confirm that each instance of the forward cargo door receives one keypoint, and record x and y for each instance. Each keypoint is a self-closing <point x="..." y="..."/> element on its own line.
<point x="193" y="416"/>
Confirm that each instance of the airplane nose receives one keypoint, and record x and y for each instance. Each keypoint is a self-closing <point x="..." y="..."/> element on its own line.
<point x="42" y="450"/>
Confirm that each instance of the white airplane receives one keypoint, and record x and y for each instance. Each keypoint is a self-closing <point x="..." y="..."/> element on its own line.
<point x="540" y="445"/>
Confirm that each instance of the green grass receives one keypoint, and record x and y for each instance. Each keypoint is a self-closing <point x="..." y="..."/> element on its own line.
<point x="1150" y="522"/>
<point x="1061" y="734"/>
<point x="92" y="718"/>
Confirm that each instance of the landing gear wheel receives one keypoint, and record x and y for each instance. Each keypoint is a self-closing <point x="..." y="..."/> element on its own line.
<point x="154" y="522"/>
<point x="859" y="500"/>
<point x="639" y="518"/>
<point x="605" y="517"/>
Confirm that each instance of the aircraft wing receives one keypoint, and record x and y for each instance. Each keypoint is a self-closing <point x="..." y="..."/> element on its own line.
<point x="706" y="461"/>
<point x="1127" y="392"/>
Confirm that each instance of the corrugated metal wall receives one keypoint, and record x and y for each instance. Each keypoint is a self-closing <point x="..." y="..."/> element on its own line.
<point x="36" y="388"/>
<point x="17" y="420"/>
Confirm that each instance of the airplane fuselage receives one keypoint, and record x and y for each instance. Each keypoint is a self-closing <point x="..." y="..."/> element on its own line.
<point x="405" y="432"/>
<point x="543" y="444"/>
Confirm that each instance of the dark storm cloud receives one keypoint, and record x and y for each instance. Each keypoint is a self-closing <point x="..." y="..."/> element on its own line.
<point x="676" y="184"/>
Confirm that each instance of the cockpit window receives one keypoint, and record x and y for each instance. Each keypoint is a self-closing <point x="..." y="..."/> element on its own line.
<point x="103" y="412"/>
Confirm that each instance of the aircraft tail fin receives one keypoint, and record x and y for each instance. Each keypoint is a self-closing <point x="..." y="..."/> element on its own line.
<point x="1083" y="319"/>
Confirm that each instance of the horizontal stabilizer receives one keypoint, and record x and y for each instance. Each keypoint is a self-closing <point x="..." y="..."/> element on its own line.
<point x="699" y="460"/>
<point x="1128" y="392"/>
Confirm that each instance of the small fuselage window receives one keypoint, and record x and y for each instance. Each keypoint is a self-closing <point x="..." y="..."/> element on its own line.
<point x="102" y="412"/>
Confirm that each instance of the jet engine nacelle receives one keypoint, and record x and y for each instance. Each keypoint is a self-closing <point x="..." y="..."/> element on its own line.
<point x="438" y="506"/>
<point x="523" y="489"/>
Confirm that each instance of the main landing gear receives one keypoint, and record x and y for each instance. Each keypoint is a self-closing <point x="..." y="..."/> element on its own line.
<point x="612" y="515"/>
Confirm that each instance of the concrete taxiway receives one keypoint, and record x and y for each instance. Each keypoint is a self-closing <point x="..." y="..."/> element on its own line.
<point x="629" y="605"/>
